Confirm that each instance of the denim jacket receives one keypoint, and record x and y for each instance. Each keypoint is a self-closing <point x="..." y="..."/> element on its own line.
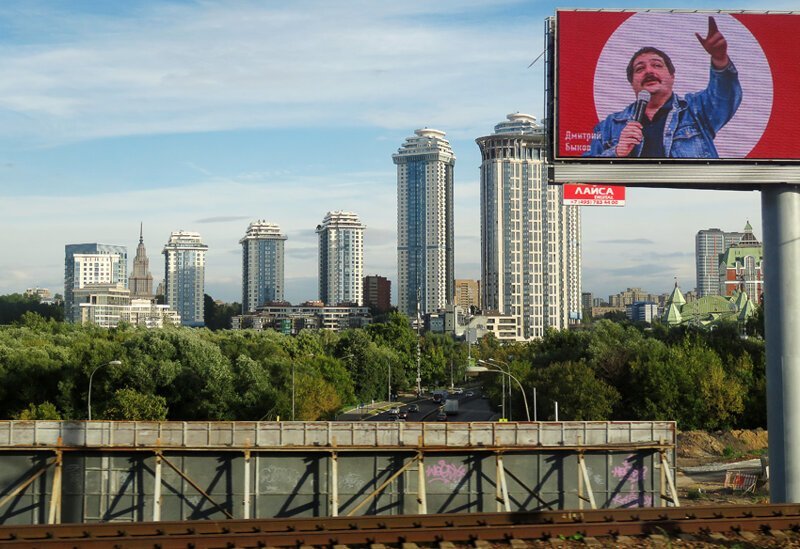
<point x="691" y="124"/>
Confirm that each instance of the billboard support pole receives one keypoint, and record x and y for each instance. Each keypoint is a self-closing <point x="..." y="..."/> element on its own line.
<point x="780" y="214"/>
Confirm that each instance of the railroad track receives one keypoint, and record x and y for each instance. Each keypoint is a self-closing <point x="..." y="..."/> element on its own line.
<point x="459" y="529"/>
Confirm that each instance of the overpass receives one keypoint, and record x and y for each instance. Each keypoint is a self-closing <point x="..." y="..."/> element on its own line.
<point x="62" y="471"/>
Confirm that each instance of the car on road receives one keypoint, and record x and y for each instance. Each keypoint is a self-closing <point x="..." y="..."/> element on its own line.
<point x="413" y="408"/>
<point x="441" y="416"/>
<point x="403" y="413"/>
<point x="470" y="393"/>
<point x="394" y="411"/>
<point x="458" y="391"/>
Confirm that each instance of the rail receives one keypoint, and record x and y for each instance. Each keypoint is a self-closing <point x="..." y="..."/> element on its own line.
<point x="427" y="529"/>
<point x="325" y="435"/>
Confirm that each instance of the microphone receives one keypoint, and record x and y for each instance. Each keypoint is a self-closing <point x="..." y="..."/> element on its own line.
<point x="641" y="104"/>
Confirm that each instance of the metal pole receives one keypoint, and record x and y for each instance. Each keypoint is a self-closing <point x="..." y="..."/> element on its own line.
<point x="524" y="397"/>
<point x="780" y="214"/>
<point x="292" y="391"/>
<point x="334" y="484"/>
<point x="422" y="497"/>
<point x="89" y="398"/>
<point x="390" y="381"/>
<point x="503" y="380"/>
<point x="246" y="486"/>
<point x="502" y="366"/>
<point x="157" y="490"/>
<point x="556" y="402"/>
<point x="419" y="321"/>
<point x="535" y="418"/>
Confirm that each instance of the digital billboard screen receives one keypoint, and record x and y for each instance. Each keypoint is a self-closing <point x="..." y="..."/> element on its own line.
<point x="633" y="85"/>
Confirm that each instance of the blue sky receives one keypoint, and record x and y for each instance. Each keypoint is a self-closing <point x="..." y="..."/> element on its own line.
<point x="204" y="116"/>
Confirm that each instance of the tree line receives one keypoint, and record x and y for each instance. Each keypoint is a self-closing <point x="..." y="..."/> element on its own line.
<point x="606" y="371"/>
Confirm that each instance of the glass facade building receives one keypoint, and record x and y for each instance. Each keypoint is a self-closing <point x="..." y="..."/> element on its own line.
<point x="425" y="251"/>
<point x="262" y="265"/>
<point x="184" y="276"/>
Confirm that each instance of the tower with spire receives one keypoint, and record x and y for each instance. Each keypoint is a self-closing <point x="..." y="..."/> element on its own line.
<point x="141" y="281"/>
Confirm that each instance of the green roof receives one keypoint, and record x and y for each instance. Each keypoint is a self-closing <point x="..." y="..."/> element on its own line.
<point x="734" y="255"/>
<point x="708" y="310"/>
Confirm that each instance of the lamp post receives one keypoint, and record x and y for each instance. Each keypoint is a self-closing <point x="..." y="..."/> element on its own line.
<point x="389" y="364"/>
<point x="496" y="369"/>
<point x="292" y="390"/>
<point x="506" y="367"/>
<point x="112" y="363"/>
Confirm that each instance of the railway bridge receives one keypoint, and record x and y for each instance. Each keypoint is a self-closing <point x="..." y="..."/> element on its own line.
<point x="91" y="471"/>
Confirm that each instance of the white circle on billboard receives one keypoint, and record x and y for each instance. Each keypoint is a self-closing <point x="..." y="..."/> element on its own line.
<point x="674" y="34"/>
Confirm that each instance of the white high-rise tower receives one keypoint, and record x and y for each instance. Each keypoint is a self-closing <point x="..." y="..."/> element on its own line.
<point x="184" y="275"/>
<point x="530" y="242"/>
<point x="262" y="265"/>
<point x="710" y="244"/>
<point x="425" y="256"/>
<point x="341" y="258"/>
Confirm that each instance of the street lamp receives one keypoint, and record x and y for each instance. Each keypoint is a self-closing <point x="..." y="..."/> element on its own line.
<point x="506" y="367"/>
<point x="480" y="369"/>
<point x="293" y="390"/>
<point x="112" y="363"/>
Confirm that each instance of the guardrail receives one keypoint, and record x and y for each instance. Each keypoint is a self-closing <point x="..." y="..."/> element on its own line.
<point x="292" y="435"/>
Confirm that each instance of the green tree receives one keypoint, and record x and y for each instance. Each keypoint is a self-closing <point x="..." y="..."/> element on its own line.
<point x="581" y="396"/>
<point x="131" y="405"/>
<point x="14" y="306"/>
<point x="46" y="410"/>
<point x="217" y="316"/>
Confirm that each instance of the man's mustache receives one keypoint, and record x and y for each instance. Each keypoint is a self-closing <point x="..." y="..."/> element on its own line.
<point x="651" y="78"/>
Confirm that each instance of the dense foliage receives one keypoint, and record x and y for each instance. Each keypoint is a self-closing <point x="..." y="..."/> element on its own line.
<point x="13" y="306"/>
<point x="607" y="371"/>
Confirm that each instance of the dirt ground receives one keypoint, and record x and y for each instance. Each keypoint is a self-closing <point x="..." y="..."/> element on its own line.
<point x="703" y="459"/>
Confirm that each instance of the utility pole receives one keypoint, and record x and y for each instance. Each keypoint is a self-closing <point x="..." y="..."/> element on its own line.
<point x="419" y="321"/>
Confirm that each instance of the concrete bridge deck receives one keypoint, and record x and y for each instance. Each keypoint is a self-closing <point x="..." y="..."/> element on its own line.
<point x="53" y="472"/>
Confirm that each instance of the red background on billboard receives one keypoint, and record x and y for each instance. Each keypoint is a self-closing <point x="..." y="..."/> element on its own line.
<point x="777" y="35"/>
<point x="571" y="192"/>
<point x="581" y="41"/>
<point x="583" y="34"/>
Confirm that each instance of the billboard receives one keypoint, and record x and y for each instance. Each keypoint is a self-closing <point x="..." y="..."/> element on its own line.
<point x="581" y="194"/>
<point x="632" y="86"/>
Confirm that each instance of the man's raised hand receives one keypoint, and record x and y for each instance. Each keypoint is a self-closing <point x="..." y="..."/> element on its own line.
<point x="630" y="137"/>
<point x="715" y="44"/>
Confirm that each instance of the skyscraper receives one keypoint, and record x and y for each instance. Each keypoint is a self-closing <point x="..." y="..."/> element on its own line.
<point x="141" y="281"/>
<point x="709" y="245"/>
<point x="262" y="265"/>
<point x="91" y="264"/>
<point x="341" y="259"/>
<point x="184" y="274"/>
<point x="530" y="242"/>
<point x="425" y="255"/>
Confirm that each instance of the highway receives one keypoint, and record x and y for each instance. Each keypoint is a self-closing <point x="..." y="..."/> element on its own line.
<point x="470" y="408"/>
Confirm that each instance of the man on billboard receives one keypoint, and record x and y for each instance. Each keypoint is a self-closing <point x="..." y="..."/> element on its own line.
<point x="661" y="124"/>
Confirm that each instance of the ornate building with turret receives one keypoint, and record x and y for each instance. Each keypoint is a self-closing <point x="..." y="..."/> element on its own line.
<point x="140" y="282"/>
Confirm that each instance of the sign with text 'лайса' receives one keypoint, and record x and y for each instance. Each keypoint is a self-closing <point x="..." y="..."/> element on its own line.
<point x="578" y="194"/>
<point x="676" y="87"/>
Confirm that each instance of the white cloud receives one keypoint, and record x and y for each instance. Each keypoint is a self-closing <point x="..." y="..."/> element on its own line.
<point x="203" y="66"/>
<point x="214" y="66"/>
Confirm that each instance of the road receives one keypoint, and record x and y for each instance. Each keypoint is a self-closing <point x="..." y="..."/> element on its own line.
<point x="470" y="408"/>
